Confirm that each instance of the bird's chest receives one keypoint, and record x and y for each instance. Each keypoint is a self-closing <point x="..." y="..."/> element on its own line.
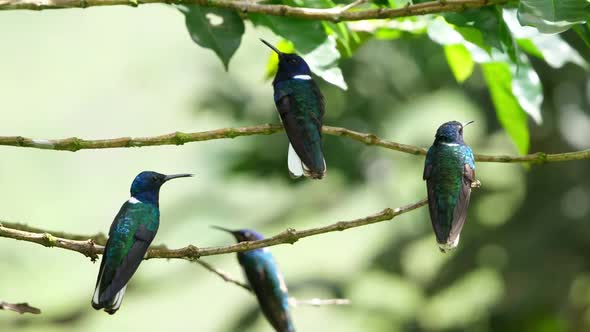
<point x="448" y="162"/>
<point x="302" y="97"/>
<point x="146" y="215"/>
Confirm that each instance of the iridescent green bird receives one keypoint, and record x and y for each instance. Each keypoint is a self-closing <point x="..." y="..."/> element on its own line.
<point x="265" y="280"/>
<point x="301" y="106"/>
<point x="131" y="233"/>
<point x="449" y="171"/>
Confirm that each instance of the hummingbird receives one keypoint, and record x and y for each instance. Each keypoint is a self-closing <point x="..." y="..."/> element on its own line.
<point x="265" y="280"/>
<point x="130" y="235"/>
<point x="449" y="170"/>
<point x="301" y="106"/>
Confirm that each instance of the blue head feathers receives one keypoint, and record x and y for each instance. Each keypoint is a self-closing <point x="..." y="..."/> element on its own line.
<point x="451" y="132"/>
<point x="242" y="235"/>
<point x="146" y="185"/>
<point x="290" y="65"/>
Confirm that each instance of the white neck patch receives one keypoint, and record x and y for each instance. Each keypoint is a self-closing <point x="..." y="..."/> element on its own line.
<point x="451" y="144"/>
<point x="302" y="77"/>
<point x="133" y="200"/>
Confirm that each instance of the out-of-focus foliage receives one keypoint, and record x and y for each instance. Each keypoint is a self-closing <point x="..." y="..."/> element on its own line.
<point x="522" y="264"/>
<point x="490" y="36"/>
<point x="551" y="16"/>
<point x="217" y="29"/>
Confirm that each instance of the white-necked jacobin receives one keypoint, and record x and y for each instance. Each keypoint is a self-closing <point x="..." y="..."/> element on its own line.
<point x="130" y="235"/>
<point x="449" y="170"/>
<point x="301" y="106"/>
<point x="265" y="280"/>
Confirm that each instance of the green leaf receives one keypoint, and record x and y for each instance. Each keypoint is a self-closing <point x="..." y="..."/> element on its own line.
<point x="529" y="47"/>
<point x="553" y="16"/>
<point x="342" y="33"/>
<point x="526" y="87"/>
<point x="511" y="116"/>
<point x="474" y="36"/>
<point x="217" y="29"/>
<point x="443" y="33"/>
<point x="305" y="35"/>
<point x="311" y="41"/>
<point x="460" y="61"/>
<point x="393" y="29"/>
<point x="388" y="34"/>
<point x="323" y="61"/>
<point x="486" y="20"/>
<point x="273" y="61"/>
<point x="583" y="31"/>
<point x="485" y="28"/>
<point x="509" y="45"/>
<point x="515" y="87"/>
<point x="552" y="48"/>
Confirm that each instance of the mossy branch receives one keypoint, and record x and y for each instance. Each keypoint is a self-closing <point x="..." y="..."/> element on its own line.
<point x="93" y="246"/>
<point x="336" y="14"/>
<point x="179" y="138"/>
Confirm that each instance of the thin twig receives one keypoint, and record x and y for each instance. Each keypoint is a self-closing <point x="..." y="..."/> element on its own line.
<point x="292" y="301"/>
<point x="244" y="6"/>
<point x="21" y="308"/>
<point x="351" y="5"/>
<point x="179" y="138"/>
<point x="222" y="274"/>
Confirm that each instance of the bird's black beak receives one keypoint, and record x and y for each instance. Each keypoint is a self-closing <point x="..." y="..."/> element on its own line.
<point x="175" y="176"/>
<point x="222" y="229"/>
<point x="279" y="53"/>
<point x="234" y="233"/>
<point x="468" y="123"/>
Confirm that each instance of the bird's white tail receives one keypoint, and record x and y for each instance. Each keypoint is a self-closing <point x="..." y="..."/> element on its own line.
<point x="117" y="301"/>
<point x="96" y="296"/>
<point x="297" y="168"/>
<point x="446" y="247"/>
<point x="294" y="163"/>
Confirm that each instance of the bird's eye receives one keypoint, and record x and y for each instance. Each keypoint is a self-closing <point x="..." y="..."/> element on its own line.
<point x="155" y="178"/>
<point x="293" y="61"/>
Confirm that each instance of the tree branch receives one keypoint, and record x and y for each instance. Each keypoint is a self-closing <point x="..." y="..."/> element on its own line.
<point x="21" y="308"/>
<point x="99" y="238"/>
<point x="92" y="249"/>
<point x="179" y="138"/>
<point x="243" y="6"/>
<point x="93" y="246"/>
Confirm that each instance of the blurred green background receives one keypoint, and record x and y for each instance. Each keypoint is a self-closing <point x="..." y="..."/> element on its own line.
<point x="522" y="265"/>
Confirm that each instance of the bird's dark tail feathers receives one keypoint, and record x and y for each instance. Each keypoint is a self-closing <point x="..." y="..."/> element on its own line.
<point x="100" y="300"/>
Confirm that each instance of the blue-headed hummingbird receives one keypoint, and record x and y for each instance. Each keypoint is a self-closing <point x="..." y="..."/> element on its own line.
<point x="130" y="235"/>
<point x="449" y="170"/>
<point x="265" y="280"/>
<point x="301" y="106"/>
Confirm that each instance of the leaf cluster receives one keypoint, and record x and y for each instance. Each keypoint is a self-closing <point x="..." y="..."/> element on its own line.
<point x="502" y="40"/>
